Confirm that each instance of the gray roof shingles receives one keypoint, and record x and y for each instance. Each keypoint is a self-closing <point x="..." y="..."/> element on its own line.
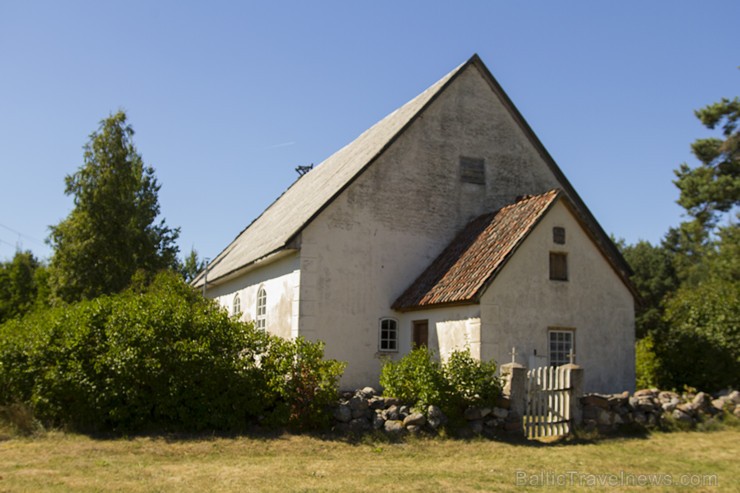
<point x="284" y="218"/>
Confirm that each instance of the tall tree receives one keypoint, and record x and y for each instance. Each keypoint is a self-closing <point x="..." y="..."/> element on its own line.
<point x="709" y="192"/>
<point x="111" y="232"/>
<point x="713" y="187"/>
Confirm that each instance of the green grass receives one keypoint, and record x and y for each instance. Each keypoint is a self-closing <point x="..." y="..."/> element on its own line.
<point x="57" y="461"/>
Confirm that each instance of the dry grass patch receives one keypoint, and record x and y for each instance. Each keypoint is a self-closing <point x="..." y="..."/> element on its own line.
<point x="60" y="462"/>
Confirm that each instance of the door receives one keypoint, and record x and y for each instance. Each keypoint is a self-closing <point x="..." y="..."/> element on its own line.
<point x="420" y="334"/>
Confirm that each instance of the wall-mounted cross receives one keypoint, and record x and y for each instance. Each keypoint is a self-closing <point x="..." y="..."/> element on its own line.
<point x="513" y="355"/>
<point x="571" y="356"/>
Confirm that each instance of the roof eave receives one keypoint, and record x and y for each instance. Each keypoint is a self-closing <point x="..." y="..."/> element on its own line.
<point x="271" y="257"/>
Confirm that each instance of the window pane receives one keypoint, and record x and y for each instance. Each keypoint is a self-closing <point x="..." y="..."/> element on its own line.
<point x="387" y="335"/>
<point x="558" y="235"/>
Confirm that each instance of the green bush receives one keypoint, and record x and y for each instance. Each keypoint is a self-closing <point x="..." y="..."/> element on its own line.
<point x="647" y="363"/>
<point x="417" y="378"/>
<point x="302" y="384"/>
<point x="158" y="358"/>
<point x="472" y="382"/>
<point x="702" y="322"/>
<point x="460" y="382"/>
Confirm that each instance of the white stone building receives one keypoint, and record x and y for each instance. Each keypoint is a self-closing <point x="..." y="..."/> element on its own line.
<point x="447" y="224"/>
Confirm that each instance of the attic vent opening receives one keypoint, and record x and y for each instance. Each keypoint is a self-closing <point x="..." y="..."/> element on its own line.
<point x="472" y="171"/>
<point x="558" y="235"/>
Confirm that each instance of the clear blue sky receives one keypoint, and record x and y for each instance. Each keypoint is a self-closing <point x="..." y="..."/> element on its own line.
<point x="227" y="98"/>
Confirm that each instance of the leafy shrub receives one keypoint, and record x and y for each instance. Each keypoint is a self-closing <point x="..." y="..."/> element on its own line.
<point x="472" y="382"/>
<point x="460" y="382"/>
<point x="417" y="378"/>
<point x="647" y="363"/>
<point x="302" y="384"/>
<point x="157" y="358"/>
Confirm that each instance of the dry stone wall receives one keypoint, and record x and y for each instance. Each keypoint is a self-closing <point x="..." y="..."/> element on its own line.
<point x="652" y="408"/>
<point x="364" y="411"/>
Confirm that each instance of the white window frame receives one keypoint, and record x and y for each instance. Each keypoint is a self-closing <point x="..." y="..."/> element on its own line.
<point x="236" y="305"/>
<point x="558" y="350"/>
<point x="388" y="335"/>
<point x="261" y="311"/>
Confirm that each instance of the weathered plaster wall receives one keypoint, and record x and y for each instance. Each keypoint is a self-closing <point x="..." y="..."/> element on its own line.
<point x="522" y="303"/>
<point x="450" y="328"/>
<point x="281" y="280"/>
<point x="368" y="246"/>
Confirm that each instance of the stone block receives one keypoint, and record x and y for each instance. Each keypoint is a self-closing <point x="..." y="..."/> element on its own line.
<point x="359" y="425"/>
<point x="595" y="400"/>
<point x="681" y="416"/>
<point x="376" y="403"/>
<point x="343" y="413"/>
<point x="645" y="393"/>
<point x="476" y="426"/>
<point x="394" y="426"/>
<point x="500" y="413"/>
<point x="604" y="417"/>
<point x="416" y="419"/>
<point x="368" y="392"/>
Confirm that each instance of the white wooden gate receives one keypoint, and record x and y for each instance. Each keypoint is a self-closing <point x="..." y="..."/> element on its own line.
<point x="549" y="395"/>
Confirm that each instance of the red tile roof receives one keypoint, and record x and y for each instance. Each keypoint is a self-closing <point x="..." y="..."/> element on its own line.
<point x="463" y="270"/>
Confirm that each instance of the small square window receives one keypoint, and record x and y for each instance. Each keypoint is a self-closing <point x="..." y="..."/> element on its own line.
<point x="558" y="235"/>
<point x="558" y="266"/>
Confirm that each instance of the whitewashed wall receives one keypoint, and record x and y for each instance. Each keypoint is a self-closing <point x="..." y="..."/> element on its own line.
<point x="281" y="280"/>
<point x="370" y="244"/>
<point x="522" y="303"/>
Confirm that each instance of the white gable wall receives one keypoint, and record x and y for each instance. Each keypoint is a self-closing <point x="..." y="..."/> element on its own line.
<point x="522" y="303"/>
<point x="370" y="244"/>
<point x="281" y="280"/>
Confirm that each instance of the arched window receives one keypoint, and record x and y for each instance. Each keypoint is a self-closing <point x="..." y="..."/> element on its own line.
<point x="388" y="340"/>
<point x="237" y="305"/>
<point x="261" y="320"/>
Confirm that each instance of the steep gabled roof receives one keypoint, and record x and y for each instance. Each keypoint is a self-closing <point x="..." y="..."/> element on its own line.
<point x="274" y="229"/>
<point x="464" y="269"/>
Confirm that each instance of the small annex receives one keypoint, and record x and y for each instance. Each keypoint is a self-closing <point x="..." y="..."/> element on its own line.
<point x="446" y="224"/>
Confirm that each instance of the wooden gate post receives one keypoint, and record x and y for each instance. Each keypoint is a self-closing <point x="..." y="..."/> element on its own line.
<point x="576" y="385"/>
<point x="516" y="387"/>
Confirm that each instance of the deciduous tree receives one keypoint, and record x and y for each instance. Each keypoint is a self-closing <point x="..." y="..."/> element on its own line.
<point x="111" y="232"/>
